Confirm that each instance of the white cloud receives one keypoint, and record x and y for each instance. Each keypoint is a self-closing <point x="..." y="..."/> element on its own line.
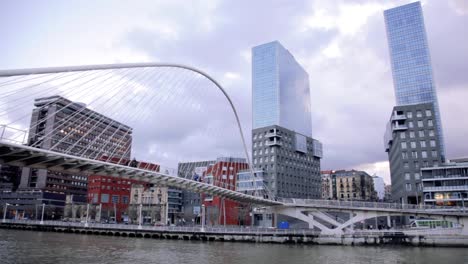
<point x="381" y="168"/>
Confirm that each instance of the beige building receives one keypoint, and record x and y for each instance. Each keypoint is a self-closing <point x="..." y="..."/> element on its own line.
<point x="327" y="185"/>
<point x="153" y="203"/>
<point x="348" y="185"/>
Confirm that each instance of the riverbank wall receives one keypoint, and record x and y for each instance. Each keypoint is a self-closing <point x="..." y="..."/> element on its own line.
<point x="283" y="237"/>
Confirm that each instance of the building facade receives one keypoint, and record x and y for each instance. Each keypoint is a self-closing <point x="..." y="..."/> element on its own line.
<point x="153" y="201"/>
<point x="411" y="61"/>
<point x="280" y="90"/>
<point x="290" y="161"/>
<point x="412" y="143"/>
<point x="220" y="211"/>
<point x="282" y="143"/>
<point x="60" y="125"/>
<point x="328" y="185"/>
<point x="447" y="184"/>
<point x="251" y="184"/>
<point x="191" y="201"/>
<point x="379" y="187"/>
<point x="348" y="185"/>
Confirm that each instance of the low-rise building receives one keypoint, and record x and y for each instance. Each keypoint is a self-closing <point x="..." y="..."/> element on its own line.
<point x="348" y="185"/>
<point x="446" y="184"/>
<point x="379" y="187"/>
<point x="153" y="201"/>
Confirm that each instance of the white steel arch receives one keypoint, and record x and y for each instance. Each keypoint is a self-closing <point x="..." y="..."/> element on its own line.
<point x="49" y="70"/>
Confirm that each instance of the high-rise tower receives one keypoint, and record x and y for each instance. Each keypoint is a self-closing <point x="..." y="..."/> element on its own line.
<point x="411" y="61"/>
<point x="282" y="143"/>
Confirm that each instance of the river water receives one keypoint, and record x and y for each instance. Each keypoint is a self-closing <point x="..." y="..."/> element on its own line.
<point x="18" y="246"/>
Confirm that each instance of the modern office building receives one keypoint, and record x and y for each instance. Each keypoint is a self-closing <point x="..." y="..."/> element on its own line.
<point x="60" y="125"/>
<point x="414" y="136"/>
<point x="282" y="141"/>
<point x="411" y="61"/>
<point x="220" y="211"/>
<point x="251" y="184"/>
<point x="348" y="185"/>
<point x="191" y="201"/>
<point x="412" y="143"/>
<point x="379" y="187"/>
<point x="446" y="184"/>
<point x="280" y="93"/>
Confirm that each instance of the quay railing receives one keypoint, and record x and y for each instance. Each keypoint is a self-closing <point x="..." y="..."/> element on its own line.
<point x="370" y="205"/>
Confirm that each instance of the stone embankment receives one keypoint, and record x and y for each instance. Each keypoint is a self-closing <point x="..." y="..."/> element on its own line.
<point x="447" y="238"/>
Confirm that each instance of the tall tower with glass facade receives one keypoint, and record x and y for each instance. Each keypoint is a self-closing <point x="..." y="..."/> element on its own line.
<point x="280" y="93"/>
<point x="411" y="60"/>
<point x="413" y="138"/>
<point x="282" y="143"/>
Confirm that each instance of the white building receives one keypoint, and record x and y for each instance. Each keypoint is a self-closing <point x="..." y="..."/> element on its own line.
<point x="379" y="187"/>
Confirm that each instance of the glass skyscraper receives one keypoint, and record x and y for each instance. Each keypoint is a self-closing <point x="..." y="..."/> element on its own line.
<point x="410" y="59"/>
<point x="280" y="94"/>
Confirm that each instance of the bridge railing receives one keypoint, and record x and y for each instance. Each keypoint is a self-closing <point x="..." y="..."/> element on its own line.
<point x="364" y="204"/>
<point x="207" y="229"/>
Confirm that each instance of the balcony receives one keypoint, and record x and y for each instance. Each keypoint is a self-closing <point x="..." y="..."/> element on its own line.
<point x="463" y="188"/>
<point x="272" y="134"/>
<point x="398" y="117"/>
<point x="275" y="142"/>
<point x="396" y="127"/>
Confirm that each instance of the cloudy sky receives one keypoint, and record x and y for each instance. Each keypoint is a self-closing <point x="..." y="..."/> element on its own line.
<point x="341" y="44"/>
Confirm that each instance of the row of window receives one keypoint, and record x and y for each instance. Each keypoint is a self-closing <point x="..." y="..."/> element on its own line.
<point x="421" y="134"/>
<point x="422" y="144"/>
<point x="415" y="155"/>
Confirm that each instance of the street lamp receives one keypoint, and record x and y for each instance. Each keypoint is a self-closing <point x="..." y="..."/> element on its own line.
<point x="42" y="216"/>
<point x="87" y="215"/>
<point x="139" y="221"/>
<point x="5" y="212"/>
<point x="203" y="218"/>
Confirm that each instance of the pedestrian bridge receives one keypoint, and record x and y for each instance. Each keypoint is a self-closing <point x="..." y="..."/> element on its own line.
<point x="121" y="92"/>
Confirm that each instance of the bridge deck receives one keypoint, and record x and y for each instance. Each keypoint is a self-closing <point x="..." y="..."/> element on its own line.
<point x="25" y="156"/>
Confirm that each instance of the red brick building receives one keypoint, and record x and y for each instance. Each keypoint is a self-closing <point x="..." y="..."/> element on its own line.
<point x="223" y="173"/>
<point x="114" y="192"/>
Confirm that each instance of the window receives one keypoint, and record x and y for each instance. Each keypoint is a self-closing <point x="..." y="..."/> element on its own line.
<point x="417" y="176"/>
<point x="403" y="145"/>
<point x="418" y="113"/>
<point x="416" y="165"/>
<point x="404" y="155"/>
<point x="411" y="134"/>
<point x="432" y="143"/>
<point x="413" y="144"/>
<point x="422" y="143"/>
<point x="406" y="165"/>
<point x="408" y="186"/>
<point x="421" y="133"/>
<point x="424" y="154"/>
<point x="420" y="123"/>
<point x="409" y="114"/>
<point x="414" y="154"/>
<point x="125" y="199"/>
<point x="104" y="198"/>
<point x="429" y="122"/>
<point x="410" y="124"/>
<point x="255" y="153"/>
<point x="115" y="199"/>
<point x="434" y="153"/>
<point x="402" y="135"/>
<point x="428" y="113"/>
<point x="407" y="176"/>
